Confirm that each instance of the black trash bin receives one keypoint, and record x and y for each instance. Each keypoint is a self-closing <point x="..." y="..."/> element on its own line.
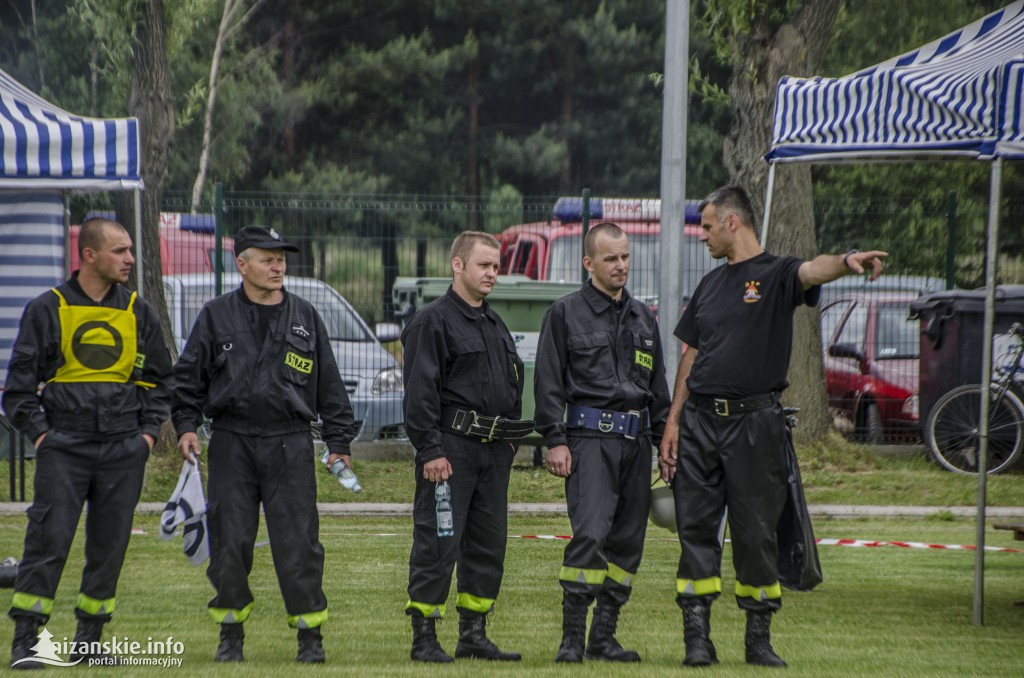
<point x="952" y="331"/>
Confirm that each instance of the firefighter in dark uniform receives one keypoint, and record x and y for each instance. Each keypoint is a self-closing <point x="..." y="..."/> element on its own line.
<point x="725" y="439"/>
<point x="259" y="363"/>
<point x="463" y="400"/>
<point x="599" y="361"/>
<point x="99" y="350"/>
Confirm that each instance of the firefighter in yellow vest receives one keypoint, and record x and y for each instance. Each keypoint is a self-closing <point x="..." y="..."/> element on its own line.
<point x="98" y="351"/>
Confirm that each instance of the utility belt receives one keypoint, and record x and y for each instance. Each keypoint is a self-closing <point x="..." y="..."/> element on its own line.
<point x="487" y="428"/>
<point x="627" y="424"/>
<point x="725" y="407"/>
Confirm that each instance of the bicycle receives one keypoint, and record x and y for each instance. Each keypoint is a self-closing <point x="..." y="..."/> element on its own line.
<point x="952" y="429"/>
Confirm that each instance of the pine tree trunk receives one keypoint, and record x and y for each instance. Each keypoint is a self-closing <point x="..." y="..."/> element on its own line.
<point x="760" y="58"/>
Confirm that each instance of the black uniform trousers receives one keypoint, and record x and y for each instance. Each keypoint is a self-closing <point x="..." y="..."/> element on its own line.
<point x="608" y="495"/>
<point x="279" y="471"/>
<point x="479" y="489"/>
<point x="70" y="471"/>
<point x="736" y="462"/>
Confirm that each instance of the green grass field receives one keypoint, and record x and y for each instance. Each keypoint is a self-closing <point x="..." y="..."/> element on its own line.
<point x="883" y="611"/>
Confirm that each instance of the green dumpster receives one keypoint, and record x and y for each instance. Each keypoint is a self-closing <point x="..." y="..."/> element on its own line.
<point x="521" y="303"/>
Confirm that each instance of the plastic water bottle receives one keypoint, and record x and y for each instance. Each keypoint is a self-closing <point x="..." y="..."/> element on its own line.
<point x="344" y="473"/>
<point x="445" y="519"/>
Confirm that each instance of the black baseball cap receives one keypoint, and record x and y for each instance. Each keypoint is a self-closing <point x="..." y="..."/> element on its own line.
<point x="263" y="237"/>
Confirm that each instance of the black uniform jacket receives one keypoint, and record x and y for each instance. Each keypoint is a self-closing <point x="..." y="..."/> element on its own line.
<point x="252" y="386"/>
<point x="593" y="352"/>
<point x="95" y="410"/>
<point x="457" y="356"/>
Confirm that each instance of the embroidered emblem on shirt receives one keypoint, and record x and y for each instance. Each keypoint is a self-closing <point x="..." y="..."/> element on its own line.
<point x="644" y="359"/>
<point x="296" y="362"/>
<point x="301" y="331"/>
<point x="750" y="294"/>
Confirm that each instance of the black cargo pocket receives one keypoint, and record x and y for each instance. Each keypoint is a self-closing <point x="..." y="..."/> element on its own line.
<point x="35" y="537"/>
<point x="514" y="364"/>
<point x="643" y="357"/>
<point x="298" y="359"/>
<point x="468" y="362"/>
<point x="590" y="358"/>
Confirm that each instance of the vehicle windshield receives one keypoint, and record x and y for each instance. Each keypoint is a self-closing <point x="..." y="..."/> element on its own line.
<point x="896" y="336"/>
<point x="341" y="321"/>
<point x="567" y="264"/>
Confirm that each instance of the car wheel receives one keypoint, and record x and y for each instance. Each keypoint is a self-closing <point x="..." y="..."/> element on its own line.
<point x="873" y="432"/>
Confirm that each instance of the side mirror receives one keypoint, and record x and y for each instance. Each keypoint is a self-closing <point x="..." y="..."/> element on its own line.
<point x="387" y="332"/>
<point x="845" y="351"/>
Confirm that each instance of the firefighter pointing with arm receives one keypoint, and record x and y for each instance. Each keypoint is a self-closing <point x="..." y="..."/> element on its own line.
<point x="725" y="440"/>
<point x="259" y="363"/>
<point x="100" y="354"/>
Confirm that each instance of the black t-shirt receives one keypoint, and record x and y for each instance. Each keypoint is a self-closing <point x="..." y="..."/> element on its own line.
<point x="740" y="320"/>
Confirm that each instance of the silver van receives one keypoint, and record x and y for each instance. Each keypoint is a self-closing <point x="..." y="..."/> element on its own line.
<point x="372" y="376"/>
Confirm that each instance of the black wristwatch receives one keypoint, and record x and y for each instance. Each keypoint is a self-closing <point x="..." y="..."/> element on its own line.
<point x="846" y="258"/>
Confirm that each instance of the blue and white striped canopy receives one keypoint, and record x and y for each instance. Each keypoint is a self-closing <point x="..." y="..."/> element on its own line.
<point x="42" y="146"/>
<point x="960" y="95"/>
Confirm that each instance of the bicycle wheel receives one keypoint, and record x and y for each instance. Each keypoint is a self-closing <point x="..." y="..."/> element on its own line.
<point x="953" y="426"/>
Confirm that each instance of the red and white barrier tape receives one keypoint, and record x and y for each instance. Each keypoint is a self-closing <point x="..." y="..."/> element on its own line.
<point x="861" y="543"/>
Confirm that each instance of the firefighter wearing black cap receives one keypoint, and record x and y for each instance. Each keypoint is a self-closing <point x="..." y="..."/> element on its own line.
<point x="99" y="350"/>
<point x="599" y="361"/>
<point x="463" y="400"/>
<point x="259" y="363"/>
<point x="725" y="440"/>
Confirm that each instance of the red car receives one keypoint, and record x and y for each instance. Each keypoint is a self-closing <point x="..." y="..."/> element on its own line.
<point x="871" y="365"/>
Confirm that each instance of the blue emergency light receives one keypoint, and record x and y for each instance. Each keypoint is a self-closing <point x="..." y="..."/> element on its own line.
<point x="570" y="209"/>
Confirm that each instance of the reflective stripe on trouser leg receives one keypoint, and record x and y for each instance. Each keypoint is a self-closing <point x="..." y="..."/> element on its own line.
<point x="309" y="620"/>
<point x="690" y="588"/>
<point x="96" y="608"/>
<point x="223" y="615"/>
<point x="473" y="603"/>
<point x="425" y="609"/>
<point x="751" y="595"/>
<point x="28" y="602"/>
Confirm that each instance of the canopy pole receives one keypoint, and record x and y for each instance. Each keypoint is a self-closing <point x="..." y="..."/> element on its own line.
<point x="768" y="205"/>
<point x="138" y="242"/>
<point x="991" y="255"/>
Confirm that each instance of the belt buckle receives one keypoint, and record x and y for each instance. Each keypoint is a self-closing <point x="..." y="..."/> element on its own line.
<point x="494" y="425"/>
<point x="606" y="424"/>
<point x="636" y="417"/>
<point x="721" y="407"/>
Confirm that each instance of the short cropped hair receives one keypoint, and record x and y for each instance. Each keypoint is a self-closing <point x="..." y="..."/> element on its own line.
<point x="607" y="228"/>
<point x="464" y="243"/>
<point x="91" y="233"/>
<point x="730" y="198"/>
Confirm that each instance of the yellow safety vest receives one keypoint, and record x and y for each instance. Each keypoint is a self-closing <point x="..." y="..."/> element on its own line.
<point x="98" y="343"/>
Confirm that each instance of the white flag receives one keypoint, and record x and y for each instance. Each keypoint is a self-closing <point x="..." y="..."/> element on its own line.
<point x="187" y="507"/>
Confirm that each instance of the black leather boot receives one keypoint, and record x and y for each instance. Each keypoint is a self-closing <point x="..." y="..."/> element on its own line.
<point x="26" y="635"/>
<point x="574" y="629"/>
<point x="758" y="640"/>
<point x="425" y="647"/>
<point x="700" y="651"/>
<point x="86" y="643"/>
<point x="602" y="643"/>
<point x="473" y="640"/>
<point x="311" y="646"/>
<point x="232" y="637"/>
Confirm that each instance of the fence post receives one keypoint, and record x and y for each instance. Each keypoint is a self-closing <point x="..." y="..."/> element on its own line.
<point x="218" y="238"/>
<point x="583" y="235"/>
<point x="950" y="239"/>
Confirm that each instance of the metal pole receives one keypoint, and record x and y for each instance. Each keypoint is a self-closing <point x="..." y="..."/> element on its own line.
<point x="673" y="178"/>
<point x="138" y="243"/>
<point x="768" y="205"/>
<point x="583" y="235"/>
<point x="218" y="238"/>
<point x="992" y="252"/>
<point x="950" y="239"/>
